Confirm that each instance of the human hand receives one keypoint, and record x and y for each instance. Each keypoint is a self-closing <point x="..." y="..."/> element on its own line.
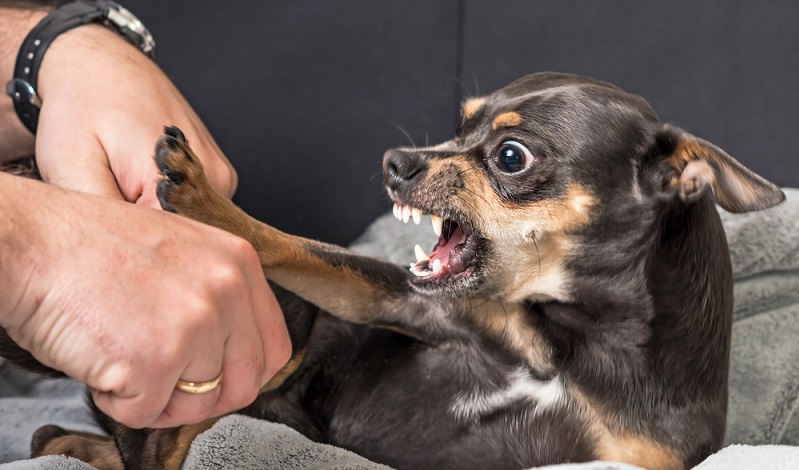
<point x="128" y="300"/>
<point x="104" y="106"/>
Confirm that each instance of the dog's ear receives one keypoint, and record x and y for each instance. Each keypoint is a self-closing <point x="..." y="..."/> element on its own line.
<point x="700" y="164"/>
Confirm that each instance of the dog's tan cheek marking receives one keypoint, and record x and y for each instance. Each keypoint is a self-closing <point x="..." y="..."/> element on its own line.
<point x="482" y="204"/>
<point x="509" y="119"/>
<point x="568" y="213"/>
<point x="550" y="222"/>
<point x="472" y="106"/>
<point x="510" y="225"/>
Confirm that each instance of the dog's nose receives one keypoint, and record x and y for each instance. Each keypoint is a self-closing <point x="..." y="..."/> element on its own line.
<point x="400" y="167"/>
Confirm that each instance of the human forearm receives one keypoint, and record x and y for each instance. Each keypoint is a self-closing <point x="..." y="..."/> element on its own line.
<point x="16" y="20"/>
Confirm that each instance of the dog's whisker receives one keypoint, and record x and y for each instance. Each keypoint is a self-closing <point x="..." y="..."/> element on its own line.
<point x="406" y="133"/>
<point x="538" y="254"/>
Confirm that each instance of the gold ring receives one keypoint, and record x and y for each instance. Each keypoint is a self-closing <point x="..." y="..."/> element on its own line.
<point x="198" y="388"/>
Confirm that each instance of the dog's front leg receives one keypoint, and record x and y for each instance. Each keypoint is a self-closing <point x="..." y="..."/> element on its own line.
<point x="353" y="287"/>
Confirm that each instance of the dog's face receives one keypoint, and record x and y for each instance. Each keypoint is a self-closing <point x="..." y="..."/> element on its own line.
<point x="532" y="172"/>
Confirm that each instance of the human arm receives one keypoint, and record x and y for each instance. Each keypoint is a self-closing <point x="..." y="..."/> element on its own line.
<point x="104" y="105"/>
<point x="129" y="312"/>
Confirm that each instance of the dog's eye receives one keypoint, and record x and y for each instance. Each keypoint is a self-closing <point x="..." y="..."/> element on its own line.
<point x="512" y="157"/>
<point x="459" y="131"/>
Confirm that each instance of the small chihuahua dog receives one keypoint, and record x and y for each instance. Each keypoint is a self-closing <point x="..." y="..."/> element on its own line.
<point x="576" y="307"/>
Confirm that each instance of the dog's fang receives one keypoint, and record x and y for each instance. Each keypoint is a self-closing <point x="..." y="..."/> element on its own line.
<point x="438" y="223"/>
<point x="437" y="266"/>
<point x="397" y="212"/>
<point x="420" y="254"/>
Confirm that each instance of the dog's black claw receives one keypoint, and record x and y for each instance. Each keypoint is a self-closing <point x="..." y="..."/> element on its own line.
<point x="171" y="142"/>
<point x="162" y="192"/>
<point x="173" y="176"/>
<point x="162" y="154"/>
<point x="173" y="131"/>
<point x="166" y="145"/>
<point x="43" y="436"/>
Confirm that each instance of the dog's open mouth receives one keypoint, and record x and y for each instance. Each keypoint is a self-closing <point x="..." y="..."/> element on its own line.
<point x="454" y="256"/>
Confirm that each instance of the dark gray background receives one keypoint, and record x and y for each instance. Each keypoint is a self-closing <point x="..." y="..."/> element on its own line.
<point x="305" y="95"/>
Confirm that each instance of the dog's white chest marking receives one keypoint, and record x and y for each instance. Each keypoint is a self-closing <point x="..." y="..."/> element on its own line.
<point x="541" y="395"/>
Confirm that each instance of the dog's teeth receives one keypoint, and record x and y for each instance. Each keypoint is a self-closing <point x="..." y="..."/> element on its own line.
<point x="406" y="214"/>
<point x="438" y="223"/>
<point x="397" y="212"/>
<point x="437" y="267"/>
<point x="417" y="215"/>
<point x="419" y="272"/>
<point x="420" y="254"/>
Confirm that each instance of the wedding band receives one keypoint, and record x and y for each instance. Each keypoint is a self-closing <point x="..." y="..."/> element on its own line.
<point x="198" y="388"/>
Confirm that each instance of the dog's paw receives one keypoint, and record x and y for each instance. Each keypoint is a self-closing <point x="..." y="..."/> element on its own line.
<point x="181" y="170"/>
<point x="43" y="436"/>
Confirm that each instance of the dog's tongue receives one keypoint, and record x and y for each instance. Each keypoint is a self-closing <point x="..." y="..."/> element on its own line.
<point x="448" y="248"/>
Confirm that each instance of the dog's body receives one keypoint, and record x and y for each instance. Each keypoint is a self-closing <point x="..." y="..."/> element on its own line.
<point x="577" y="306"/>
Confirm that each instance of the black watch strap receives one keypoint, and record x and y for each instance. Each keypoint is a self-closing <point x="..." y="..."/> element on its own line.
<point x="22" y="88"/>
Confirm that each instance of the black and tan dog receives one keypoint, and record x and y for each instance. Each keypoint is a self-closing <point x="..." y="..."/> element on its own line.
<point x="576" y="307"/>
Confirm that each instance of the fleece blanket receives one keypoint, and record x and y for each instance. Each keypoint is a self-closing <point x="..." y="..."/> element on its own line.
<point x="763" y="423"/>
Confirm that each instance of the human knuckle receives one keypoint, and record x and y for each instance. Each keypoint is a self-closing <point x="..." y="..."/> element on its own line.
<point x="243" y="397"/>
<point x="134" y="417"/>
<point x="240" y="249"/>
<point x="194" y="414"/>
<point x="201" y="316"/>
<point x="275" y="359"/>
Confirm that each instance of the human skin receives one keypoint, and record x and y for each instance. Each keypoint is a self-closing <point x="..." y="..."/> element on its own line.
<point x="124" y="298"/>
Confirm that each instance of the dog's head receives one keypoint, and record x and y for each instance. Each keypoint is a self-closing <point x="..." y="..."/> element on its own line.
<point x="536" y="168"/>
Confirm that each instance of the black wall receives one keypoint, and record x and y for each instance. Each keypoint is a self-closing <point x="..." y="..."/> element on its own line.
<point x="305" y="95"/>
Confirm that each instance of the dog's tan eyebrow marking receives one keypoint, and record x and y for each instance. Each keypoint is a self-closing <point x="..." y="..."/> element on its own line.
<point x="471" y="106"/>
<point x="509" y="119"/>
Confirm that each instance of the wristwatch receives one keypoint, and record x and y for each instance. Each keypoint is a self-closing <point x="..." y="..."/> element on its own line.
<point x="22" y="88"/>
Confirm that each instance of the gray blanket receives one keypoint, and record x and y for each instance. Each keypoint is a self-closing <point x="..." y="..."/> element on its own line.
<point x="764" y="382"/>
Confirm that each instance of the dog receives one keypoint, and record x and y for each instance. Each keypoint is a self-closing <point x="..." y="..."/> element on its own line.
<point x="577" y="305"/>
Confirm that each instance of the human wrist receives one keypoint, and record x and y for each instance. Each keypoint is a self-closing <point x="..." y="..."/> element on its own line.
<point x="89" y="42"/>
<point x="15" y="23"/>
